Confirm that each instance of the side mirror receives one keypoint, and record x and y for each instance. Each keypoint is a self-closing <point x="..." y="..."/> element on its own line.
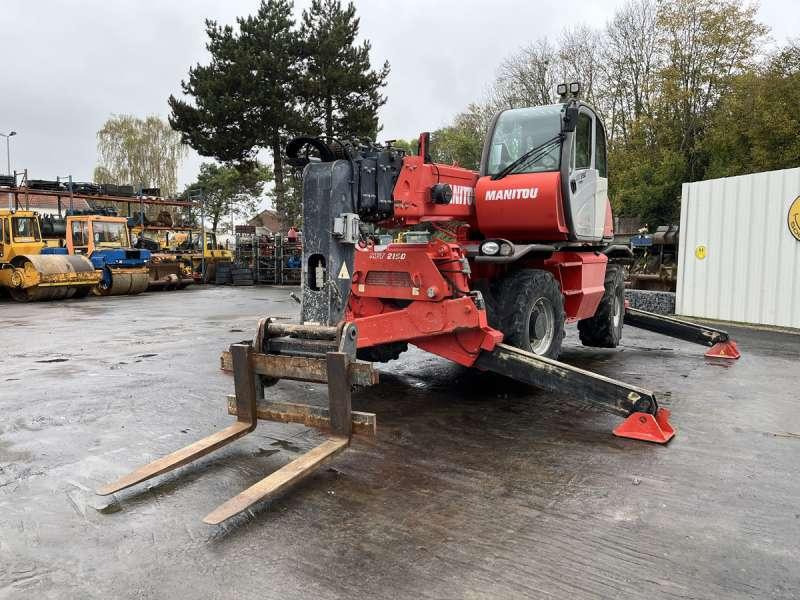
<point x="571" y="117"/>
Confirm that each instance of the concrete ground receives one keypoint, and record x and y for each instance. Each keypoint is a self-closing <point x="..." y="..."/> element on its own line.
<point x="476" y="487"/>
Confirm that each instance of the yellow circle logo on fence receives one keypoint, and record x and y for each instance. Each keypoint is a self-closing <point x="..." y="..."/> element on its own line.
<point x="794" y="218"/>
<point x="700" y="252"/>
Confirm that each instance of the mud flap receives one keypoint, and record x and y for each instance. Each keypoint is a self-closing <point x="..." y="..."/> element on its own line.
<point x="647" y="427"/>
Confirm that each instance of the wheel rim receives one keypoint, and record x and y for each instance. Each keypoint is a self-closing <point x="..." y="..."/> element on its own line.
<point x="541" y="326"/>
<point x="617" y="311"/>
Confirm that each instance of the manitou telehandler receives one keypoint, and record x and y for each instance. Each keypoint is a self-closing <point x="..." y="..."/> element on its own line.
<point x="521" y="248"/>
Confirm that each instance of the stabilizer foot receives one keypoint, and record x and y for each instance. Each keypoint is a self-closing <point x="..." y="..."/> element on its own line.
<point x="727" y="349"/>
<point x="647" y="427"/>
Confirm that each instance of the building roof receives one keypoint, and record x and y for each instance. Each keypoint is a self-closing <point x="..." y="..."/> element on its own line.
<point x="43" y="203"/>
<point x="267" y="218"/>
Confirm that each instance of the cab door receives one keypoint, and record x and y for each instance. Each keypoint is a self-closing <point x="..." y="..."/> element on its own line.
<point x="78" y="237"/>
<point x="587" y="188"/>
<point x="5" y="241"/>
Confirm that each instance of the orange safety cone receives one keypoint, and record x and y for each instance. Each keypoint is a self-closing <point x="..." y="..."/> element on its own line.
<point x="647" y="427"/>
<point x="727" y="349"/>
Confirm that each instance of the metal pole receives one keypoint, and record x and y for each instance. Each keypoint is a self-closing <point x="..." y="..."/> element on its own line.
<point x="71" y="204"/>
<point x="203" y="236"/>
<point x="8" y="153"/>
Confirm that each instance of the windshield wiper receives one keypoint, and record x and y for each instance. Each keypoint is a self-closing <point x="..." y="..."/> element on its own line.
<point x="535" y="152"/>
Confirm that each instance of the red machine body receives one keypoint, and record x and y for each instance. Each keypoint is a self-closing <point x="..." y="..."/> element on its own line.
<point x="423" y="293"/>
<point x="522" y="207"/>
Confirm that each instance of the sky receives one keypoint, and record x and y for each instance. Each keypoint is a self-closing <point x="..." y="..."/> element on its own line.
<point x="69" y="64"/>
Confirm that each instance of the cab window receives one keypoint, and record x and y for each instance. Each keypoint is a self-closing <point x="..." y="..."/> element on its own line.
<point x="79" y="234"/>
<point x="4" y="232"/>
<point x="110" y="233"/>
<point x="583" y="142"/>
<point x="24" y="228"/>
<point x="600" y="149"/>
<point x="519" y="130"/>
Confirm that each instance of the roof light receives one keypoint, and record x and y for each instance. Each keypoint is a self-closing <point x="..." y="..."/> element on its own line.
<point x="575" y="88"/>
<point x="561" y="89"/>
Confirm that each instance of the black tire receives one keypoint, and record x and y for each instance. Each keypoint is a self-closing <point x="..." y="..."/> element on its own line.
<point x="383" y="353"/>
<point x="604" y="329"/>
<point x="82" y="292"/>
<point x="532" y="294"/>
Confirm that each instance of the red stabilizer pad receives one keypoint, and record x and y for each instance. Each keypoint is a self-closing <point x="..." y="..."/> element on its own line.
<point x="727" y="349"/>
<point x="647" y="427"/>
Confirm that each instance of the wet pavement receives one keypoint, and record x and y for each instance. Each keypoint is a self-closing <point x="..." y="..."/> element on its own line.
<point x="476" y="487"/>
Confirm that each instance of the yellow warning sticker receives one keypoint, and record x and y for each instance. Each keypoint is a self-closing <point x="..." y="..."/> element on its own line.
<point x="700" y="252"/>
<point x="794" y="218"/>
<point x="343" y="272"/>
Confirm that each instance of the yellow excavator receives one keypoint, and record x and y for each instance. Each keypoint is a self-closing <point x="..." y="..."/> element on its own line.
<point x="27" y="274"/>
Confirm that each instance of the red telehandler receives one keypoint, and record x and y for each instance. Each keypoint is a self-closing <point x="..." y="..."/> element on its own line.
<point x="519" y="249"/>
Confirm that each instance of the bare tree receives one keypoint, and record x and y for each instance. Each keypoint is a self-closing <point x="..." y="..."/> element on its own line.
<point x="527" y="78"/>
<point x="139" y="152"/>
<point x="633" y="55"/>
<point x="580" y="50"/>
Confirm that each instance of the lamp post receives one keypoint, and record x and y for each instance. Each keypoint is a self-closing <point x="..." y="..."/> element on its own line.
<point x="8" y="148"/>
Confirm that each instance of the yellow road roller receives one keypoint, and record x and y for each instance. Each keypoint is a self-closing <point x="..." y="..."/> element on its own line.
<point x="27" y="274"/>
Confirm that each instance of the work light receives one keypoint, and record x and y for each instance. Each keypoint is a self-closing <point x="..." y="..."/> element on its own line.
<point x="490" y="248"/>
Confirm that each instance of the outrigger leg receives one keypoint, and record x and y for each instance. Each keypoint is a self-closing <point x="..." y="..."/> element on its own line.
<point x="722" y="346"/>
<point x="314" y="354"/>
<point x="644" y="419"/>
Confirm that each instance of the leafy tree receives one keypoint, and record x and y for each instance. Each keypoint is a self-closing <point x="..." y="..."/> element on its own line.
<point x="341" y="91"/>
<point x="754" y="128"/>
<point x="706" y="43"/>
<point x="462" y="142"/>
<point x="245" y="99"/>
<point x="226" y="190"/>
<point x="290" y="207"/>
<point x="410" y="147"/>
<point x="139" y="152"/>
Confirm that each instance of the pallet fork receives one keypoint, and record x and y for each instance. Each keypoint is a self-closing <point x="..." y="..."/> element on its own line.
<point x="303" y="353"/>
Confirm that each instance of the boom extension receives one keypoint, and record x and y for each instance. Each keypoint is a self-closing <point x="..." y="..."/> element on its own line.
<point x="721" y="344"/>
<point x="644" y="419"/>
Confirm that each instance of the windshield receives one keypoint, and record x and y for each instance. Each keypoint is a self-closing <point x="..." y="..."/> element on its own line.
<point x="25" y="229"/>
<point x="520" y="129"/>
<point x="110" y="234"/>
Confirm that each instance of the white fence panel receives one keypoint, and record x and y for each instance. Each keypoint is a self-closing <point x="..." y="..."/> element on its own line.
<point x="738" y="259"/>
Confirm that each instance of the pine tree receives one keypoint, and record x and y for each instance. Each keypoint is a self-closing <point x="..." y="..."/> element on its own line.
<point x="341" y="91"/>
<point x="246" y="98"/>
